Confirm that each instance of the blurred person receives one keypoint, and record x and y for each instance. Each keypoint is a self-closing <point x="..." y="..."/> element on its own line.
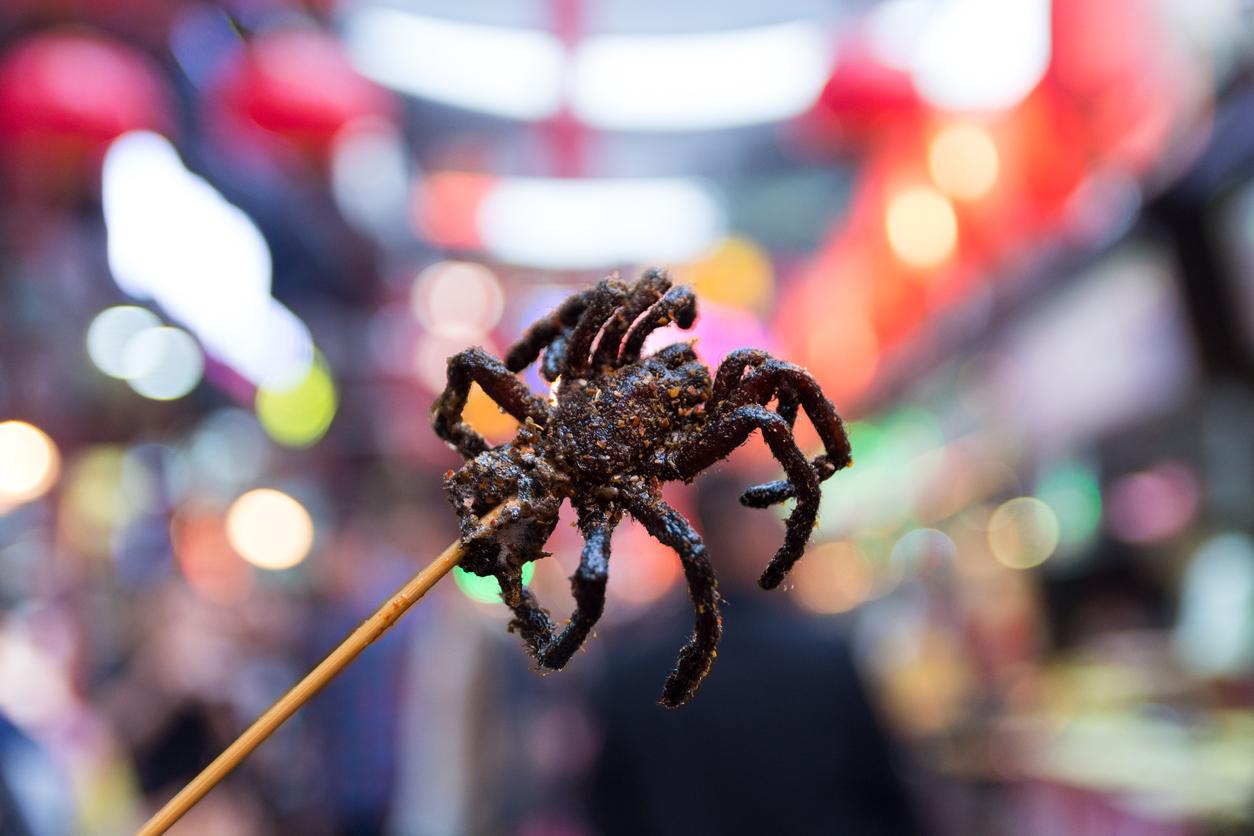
<point x="33" y="790"/>
<point x="356" y="719"/>
<point x="781" y="739"/>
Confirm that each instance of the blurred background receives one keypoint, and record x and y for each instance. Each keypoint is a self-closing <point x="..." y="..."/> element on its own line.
<point x="1014" y="241"/>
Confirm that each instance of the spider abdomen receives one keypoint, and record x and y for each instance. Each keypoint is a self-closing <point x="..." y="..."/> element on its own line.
<point x="615" y="424"/>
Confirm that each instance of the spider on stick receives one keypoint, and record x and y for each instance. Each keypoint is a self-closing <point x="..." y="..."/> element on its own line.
<point x="622" y="425"/>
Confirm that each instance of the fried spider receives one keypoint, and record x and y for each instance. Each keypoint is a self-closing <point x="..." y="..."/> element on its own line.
<point x="620" y="426"/>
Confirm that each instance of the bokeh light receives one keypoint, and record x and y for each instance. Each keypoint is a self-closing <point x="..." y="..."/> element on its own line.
<point x="97" y="499"/>
<point x="922" y="227"/>
<point x="486" y="590"/>
<point x="1154" y="504"/>
<point x="896" y="459"/>
<point x="174" y="239"/>
<point x="650" y="571"/>
<point x="203" y="551"/>
<point x="482" y="413"/>
<point x="1071" y="489"/>
<point x="29" y="463"/>
<point x="1023" y="533"/>
<point x="922" y="551"/>
<point x="834" y="578"/>
<point x="370" y="177"/>
<point x="163" y="363"/>
<point x="737" y="272"/>
<point x="963" y="161"/>
<point x="458" y="299"/>
<point x="300" y="415"/>
<point x="269" y="529"/>
<point x="431" y="354"/>
<point x="111" y="331"/>
<point x="1215" y="630"/>
<point x="229" y="449"/>
<point x="446" y="207"/>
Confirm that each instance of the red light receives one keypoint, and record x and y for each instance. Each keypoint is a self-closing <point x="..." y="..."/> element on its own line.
<point x="446" y="208"/>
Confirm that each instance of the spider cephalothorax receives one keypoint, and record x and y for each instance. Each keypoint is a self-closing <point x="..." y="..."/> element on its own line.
<point x="622" y="425"/>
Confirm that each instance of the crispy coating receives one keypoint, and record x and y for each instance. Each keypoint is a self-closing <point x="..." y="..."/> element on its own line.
<point x="621" y="426"/>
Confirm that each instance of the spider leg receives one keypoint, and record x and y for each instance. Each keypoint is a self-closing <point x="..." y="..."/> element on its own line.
<point x="478" y="366"/>
<point x="771" y="493"/>
<point x="730" y="374"/>
<point x="605" y="298"/>
<point x="542" y="334"/>
<point x="679" y="305"/>
<point x="731" y="371"/>
<point x="552" y="649"/>
<point x="555" y="357"/>
<point x="650" y="288"/>
<point x="793" y="385"/>
<point x="719" y="438"/>
<point x="695" y="658"/>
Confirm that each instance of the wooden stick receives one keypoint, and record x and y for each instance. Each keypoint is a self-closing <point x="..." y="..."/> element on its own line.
<point x="287" y="705"/>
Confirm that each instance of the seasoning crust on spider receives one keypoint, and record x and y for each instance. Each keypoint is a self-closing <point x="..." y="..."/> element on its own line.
<point x="621" y="426"/>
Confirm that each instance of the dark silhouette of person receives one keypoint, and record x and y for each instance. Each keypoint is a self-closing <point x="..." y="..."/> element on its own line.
<point x="781" y="739"/>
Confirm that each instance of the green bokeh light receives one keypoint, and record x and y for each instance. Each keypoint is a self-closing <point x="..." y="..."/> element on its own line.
<point x="486" y="590"/>
<point x="300" y="415"/>
<point x="864" y="437"/>
<point x="1071" y="489"/>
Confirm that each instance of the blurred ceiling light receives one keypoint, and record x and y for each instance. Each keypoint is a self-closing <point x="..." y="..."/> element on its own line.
<point x="163" y="364"/>
<point x="269" y="529"/>
<point x="111" y="330"/>
<point x="963" y="161"/>
<point x="1023" y="533"/>
<point x="174" y="239"/>
<point x="590" y="224"/>
<point x="982" y="54"/>
<point x="894" y="29"/>
<point x="515" y="73"/>
<point x="922" y="227"/>
<point x="700" y="80"/>
<point x="675" y="82"/>
<point x="457" y="298"/>
<point x="29" y="463"/>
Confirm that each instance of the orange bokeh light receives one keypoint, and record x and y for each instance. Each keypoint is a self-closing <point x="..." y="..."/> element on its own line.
<point x="922" y="227"/>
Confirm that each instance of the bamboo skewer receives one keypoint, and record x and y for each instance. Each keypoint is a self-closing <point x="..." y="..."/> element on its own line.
<point x="287" y="705"/>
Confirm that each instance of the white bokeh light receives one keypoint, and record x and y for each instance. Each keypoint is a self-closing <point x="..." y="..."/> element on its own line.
<point x="163" y="363"/>
<point x="111" y="330"/>
<point x="589" y="223"/>
<point x="174" y="239"/>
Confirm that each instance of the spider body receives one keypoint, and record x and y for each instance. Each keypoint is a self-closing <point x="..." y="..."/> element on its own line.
<point x="628" y="420"/>
<point x="620" y="427"/>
